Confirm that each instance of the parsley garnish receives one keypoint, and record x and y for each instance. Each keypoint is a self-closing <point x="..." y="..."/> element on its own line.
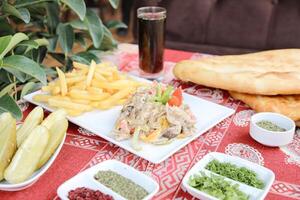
<point x="163" y="96"/>
<point x="216" y="186"/>
<point x="240" y="174"/>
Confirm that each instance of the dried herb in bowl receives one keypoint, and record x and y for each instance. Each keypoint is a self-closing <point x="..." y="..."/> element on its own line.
<point x="217" y="186"/>
<point x="121" y="185"/>
<point x="270" y="126"/>
<point x="240" y="174"/>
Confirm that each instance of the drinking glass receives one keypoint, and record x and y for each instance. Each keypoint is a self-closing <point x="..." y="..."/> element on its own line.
<point x="151" y="38"/>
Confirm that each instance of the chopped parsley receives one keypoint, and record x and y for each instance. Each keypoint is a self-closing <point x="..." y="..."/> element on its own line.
<point x="240" y="174"/>
<point x="216" y="186"/>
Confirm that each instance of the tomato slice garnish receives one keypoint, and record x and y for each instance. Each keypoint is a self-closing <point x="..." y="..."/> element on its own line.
<point x="176" y="99"/>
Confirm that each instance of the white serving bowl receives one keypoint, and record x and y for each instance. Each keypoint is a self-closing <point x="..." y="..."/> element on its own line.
<point x="272" y="138"/>
<point x="4" y="185"/>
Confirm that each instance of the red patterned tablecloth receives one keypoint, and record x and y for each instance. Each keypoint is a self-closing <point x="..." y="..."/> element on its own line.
<point x="82" y="149"/>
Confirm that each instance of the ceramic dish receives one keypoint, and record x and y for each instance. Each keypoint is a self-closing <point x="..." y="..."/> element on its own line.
<point x="4" y="185"/>
<point x="101" y="123"/>
<point x="254" y="193"/>
<point x="86" y="179"/>
<point x="271" y="138"/>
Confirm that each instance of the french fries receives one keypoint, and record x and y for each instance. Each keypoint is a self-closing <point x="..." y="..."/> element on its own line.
<point x="98" y="86"/>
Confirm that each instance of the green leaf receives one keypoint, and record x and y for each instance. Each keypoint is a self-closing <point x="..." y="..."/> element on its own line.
<point x="25" y="65"/>
<point x="115" y="24"/>
<point x="78" y="6"/>
<point x="27" y="88"/>
<point x="78" y="24"/>
<point x="14" y="40"/>
<point x="5" y="27"/>
<point x="18" y="74"/>
<point x="21" y="13"/>
<point x="52" y="43"/>
<point x="8" y="104"/>
<point x="42" y="42"/>
<point x="108" y="42"/>
<point x="4" y="76"/>
<point x="65" y="37"/>
<point x="29" y="44"/>
<point x="4" y="41"/>
<point x="30" y="3"/>
<point x="39" y="54"/>
<point x="79" y="37"/>
<point x="114" y="3"/>
<point x="85" y="57"/>
<point x="52" y="17"/>
<point x="50" y="71"/>
<point x="94" y="24"/>
<point x="60" y="57"/>
<point x="7" y="89"/>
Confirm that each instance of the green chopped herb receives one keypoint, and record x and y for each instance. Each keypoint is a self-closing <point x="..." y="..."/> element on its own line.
<point x="270" y="126"/>
<point x="121" y="185"/>
<point x="240" y="174"/>
<point x="216" y="186"/>
<point x="163" y="96"/>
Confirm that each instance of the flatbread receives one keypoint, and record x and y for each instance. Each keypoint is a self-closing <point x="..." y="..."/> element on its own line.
<point x="266" y="73"/>
<point x="288" y="105"/>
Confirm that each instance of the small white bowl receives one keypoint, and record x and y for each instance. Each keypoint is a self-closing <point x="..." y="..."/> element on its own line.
<point x="272" y="138"/>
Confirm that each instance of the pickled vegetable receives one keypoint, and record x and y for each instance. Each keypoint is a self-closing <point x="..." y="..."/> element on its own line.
<point x="56" y="132"/>
<point x="33" y="119"/>
<point x="53" y="117"/>
<point x="27" y="157"/>
<point x="8" y="141"/>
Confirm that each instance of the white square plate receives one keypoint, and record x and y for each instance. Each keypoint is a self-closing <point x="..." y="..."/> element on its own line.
<point x="86" y="179"/>
<point x="101" y="123"/>
<point x="265" y="174"/>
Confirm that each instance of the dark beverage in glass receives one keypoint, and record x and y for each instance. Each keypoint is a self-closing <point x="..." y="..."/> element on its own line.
<point x="151" y="36"/>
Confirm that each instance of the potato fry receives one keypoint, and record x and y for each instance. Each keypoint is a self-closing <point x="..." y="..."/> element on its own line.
<point x="119" y="84"/>
<point x="121" y="102"/>
<point x="46" y="88"/>
<point x="80" y="65"/>
<point x="104" y="72"/>
<point x="62" y="81"/>
<point x="115" y="97"/>
<point x="52" y="84"/>
<point x="41" y="97"/>
<point x="80" y="85"/>
<point x="61" y="98"/>
<point x="68" y="105"/>
<point x="74" y="113"/>
<point x="91" y="73"/>
<point x="79" y="94"/>
<point x="99" y="77"/>
<point x="98" y="86"/>
<point x="55" y="90"/>
<point x="75" y="79"/>
<point x="94" y="90"/>
<point x="81" y="101"/>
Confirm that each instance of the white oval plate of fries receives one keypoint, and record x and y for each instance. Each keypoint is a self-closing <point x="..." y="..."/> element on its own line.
<point x="93" y="97"/>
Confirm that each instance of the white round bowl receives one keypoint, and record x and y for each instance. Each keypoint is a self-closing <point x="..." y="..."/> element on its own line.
<point x="272" y="138"/>
<point x="6" y="186"/>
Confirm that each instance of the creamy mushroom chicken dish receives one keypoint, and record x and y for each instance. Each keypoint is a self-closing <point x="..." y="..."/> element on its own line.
<point x="155" y="114"/>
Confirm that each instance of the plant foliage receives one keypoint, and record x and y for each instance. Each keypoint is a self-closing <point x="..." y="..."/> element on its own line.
<point x="32" y="29"/>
